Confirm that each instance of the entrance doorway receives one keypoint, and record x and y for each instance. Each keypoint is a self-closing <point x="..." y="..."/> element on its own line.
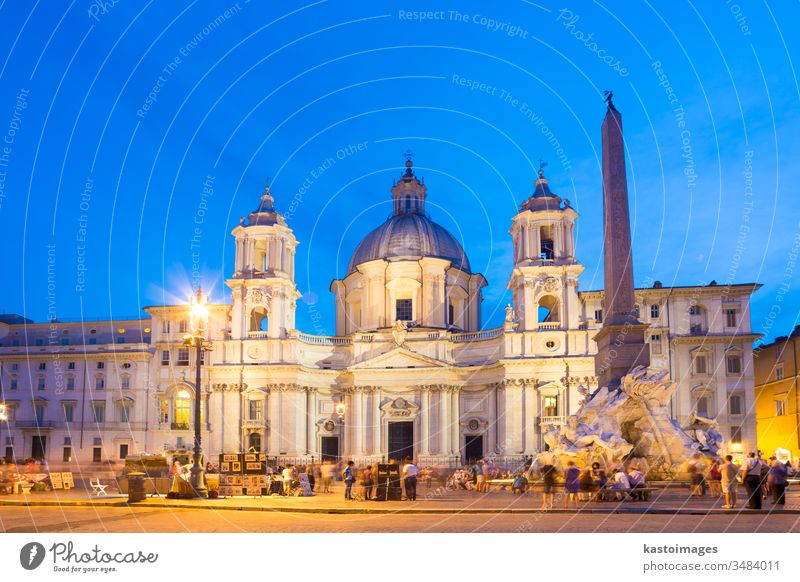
<point x="254" y="442"/>
<point x="329" y="449"/>
<point x="38" y="446"/>
<point x="473" y="448"/>
<point x="401" y="441"/>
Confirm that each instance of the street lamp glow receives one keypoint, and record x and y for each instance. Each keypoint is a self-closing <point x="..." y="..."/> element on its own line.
<point x="199" y="312"/>
<point x="3" y="415"/>
<point x="340" y="408"/>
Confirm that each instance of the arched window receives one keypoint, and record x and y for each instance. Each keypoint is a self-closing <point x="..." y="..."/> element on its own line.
<point x="259" y="319"/>
<point x="181" y="409"/>
<point x="548" y="310"/>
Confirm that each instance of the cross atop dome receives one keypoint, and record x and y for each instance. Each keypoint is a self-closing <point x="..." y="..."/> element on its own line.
<point x="265" y="214"/>
<point x="409" y="193"/>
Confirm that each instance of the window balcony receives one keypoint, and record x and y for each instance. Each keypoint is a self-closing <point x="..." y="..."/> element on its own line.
<point x="551" y="420"/>
<point x="36" y="424"/>
<point x="179" y="426"/>
<point x="549" y="326"/>
<point x="254" y="423"/>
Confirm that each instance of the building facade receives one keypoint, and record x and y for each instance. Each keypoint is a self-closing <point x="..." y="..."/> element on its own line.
<point x="411" y="370"/>
<point x="777" y="399"/>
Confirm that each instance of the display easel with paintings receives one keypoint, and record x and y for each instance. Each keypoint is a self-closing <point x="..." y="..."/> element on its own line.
<point x="68" y="480"/>
<point x="242" y="474"/>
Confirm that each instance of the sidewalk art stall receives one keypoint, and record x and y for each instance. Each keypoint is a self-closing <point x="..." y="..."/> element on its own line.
<point x="155" y="469"/>
<point x="243" y="474"/>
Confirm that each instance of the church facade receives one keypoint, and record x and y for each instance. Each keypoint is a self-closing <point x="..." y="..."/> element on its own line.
<point x="410" y="371"/>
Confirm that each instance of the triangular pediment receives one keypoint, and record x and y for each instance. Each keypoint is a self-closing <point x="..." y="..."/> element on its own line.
<point x="399" y="358"/>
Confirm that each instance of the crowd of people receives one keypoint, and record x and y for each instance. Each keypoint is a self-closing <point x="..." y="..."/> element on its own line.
<point x="760" y="479"/>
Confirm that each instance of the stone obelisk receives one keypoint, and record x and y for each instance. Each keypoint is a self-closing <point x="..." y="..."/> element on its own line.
<point x="620" y="341"/>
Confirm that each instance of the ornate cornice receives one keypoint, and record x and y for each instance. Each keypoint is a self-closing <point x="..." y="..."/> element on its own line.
<point x="228" y="387"/>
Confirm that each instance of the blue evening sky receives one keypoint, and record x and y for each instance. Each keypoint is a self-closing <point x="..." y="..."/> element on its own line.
<point x="115" y="116"/>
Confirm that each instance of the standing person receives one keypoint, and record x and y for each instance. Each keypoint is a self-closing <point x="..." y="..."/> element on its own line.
<point x="751" y="475"/>
<point x="571" y="484"/>
<point x="549" y="478"/>
<point x="410" y="473"/>
<point x="777" y="482"/>
<point x="368" y="483"/>
<point x="480" y="478"/>
<point x="326" y="474"/>
<point x="312" y="480"/>
<point x="714" y="478"/>
<point x="287" y="479"/>
<point x="349" y="477"/>
<point x="728" y="474"/>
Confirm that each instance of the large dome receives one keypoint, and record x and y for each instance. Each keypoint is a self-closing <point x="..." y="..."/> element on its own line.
<point x="409" y="236"/>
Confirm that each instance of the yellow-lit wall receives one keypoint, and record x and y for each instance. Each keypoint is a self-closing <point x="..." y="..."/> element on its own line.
<point x="777" y="431"/>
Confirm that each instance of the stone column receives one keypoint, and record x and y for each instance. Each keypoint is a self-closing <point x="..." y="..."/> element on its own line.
<point x="455" y="427"/>
<point x="376" y="422"/>
<point x="311" y="417"/>
<point x="530" y="419"/>
<point x="424" y="421"/>
<point x="445" y="410"/>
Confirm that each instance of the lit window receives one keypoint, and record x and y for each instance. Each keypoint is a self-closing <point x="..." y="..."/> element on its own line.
<point x="780" y="407"/>
<point x="655" y="311"/>
<point x="164" y="411"/>
<point x="551" y="406"/>
<point x="182" y="406"/>
<point x="734" y="363"/>
<point x="403" y="310"/>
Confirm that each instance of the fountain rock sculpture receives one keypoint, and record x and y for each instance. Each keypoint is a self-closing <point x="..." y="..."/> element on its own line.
<point x="632" y="422"/>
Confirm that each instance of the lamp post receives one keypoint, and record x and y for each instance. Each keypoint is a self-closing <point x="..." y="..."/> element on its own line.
<point x="340" y="410"/>
<point x="197" y="339"/>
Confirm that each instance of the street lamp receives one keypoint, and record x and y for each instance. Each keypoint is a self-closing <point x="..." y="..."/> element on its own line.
<point x="340" y="408"/>
<point x="3" y="415"/>
<point x="198" y="322"/>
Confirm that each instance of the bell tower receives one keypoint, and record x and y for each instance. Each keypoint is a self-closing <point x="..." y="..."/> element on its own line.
<point x="544" y="282"/>
<point x="264" y="291"/>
